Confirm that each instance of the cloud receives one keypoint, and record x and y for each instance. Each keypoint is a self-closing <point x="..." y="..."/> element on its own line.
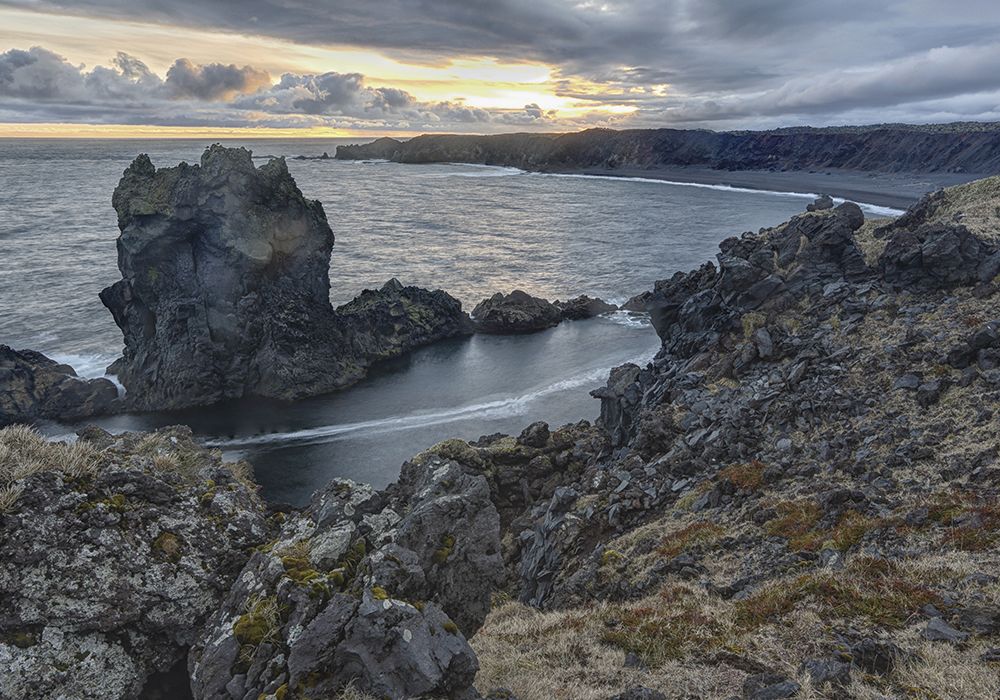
<point x="214" y="81"/>
<point x="715" y="63"/>
<point x="39" y="85"/>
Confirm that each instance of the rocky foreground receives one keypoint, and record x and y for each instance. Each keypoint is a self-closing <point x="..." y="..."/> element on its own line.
<point x="797" y="497"/>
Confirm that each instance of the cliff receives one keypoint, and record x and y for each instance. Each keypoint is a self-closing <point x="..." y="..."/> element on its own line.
<point x="890" y="148"/>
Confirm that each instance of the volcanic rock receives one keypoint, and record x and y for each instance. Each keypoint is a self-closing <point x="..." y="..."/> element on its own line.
<point x="378" y="589"/>
<point x="582" y="307"/>
<point x="33" y="386"/>
<point x="225" y="289"/>
<point x="517" y="312"/>
<point x="111" y="556"/>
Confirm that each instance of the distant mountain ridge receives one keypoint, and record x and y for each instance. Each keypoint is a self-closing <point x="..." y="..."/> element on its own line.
<point x="961" y="147"/>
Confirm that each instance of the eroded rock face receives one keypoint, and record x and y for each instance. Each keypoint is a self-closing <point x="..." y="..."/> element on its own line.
<point x="376" y="588"/>
<point x="225" y="289"/>
<point x="517" y="312"/>
<point x="33" y="386"/>
<point x="111" y="556"/>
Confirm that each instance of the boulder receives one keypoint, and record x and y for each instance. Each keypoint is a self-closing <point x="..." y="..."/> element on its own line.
<point x="376" y="589"/>
<point x="821" y="203"/>
<point x="32" y="386"/>
<point x="582" y="307"/>
<point x="517" y="312"/>
<point x="112" y="554"/>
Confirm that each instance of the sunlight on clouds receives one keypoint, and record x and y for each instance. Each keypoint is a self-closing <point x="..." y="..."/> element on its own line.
<point x="472" y="81"/>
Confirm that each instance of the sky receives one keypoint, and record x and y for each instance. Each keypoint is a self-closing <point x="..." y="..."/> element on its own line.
<point x="401" y="67"/>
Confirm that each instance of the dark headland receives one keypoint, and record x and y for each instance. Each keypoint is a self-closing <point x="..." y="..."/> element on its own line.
<point x="890" y="165"/>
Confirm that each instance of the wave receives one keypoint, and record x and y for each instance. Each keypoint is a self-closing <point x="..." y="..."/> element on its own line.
<point x="89" y="366"/>
<point x="499" y="408"/>
<point x="485" y="171"/>
<point x="629" y="319"/>
<point x="871" y="208"/>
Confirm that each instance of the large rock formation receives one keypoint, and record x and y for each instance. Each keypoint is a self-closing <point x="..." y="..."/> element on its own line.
<point x="32" y="386"/>
<point x="225" y="289"/>
<point x="113" y="552"/>
<point x="375" y="589"/>
<point x="517" y="312"/>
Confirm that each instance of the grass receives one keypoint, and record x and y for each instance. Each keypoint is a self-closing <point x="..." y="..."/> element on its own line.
<point x="260" y="623"/>
<point x="689" y="536"/>
<point x="875" y="590"/>
<point x="24" y="453"/>
<point x="668" y="629"/>
<point x="748" y="477"/>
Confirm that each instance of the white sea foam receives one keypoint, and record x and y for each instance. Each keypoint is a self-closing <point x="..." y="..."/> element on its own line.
<point x="871" y="208"/>
<point x="89" y="366"/>
<point x="498" y="408"/>
<point x="629" y="319"/>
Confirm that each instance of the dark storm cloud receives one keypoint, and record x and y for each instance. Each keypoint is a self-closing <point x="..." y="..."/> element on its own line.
<point x="711" y="62"/>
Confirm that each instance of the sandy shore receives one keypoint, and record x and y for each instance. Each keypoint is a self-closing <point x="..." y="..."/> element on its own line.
<point x="897" y="190"/>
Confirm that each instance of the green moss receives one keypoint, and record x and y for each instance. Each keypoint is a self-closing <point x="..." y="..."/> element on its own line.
<point x="282" y="692"/>
<point x="442" y="553"/>
<point x="21" y="639"/>
<point x="665" y="630"/>
<point x="450" y="627"/>
<point x="457" y="450"/>
<point x="167" y="546"/>
<point x="207" y="498"/>
<point x="796" y="522"/>
<point x="379" y="593"/>
<point x="259" y="623"/>
<point x="117" y="502"/>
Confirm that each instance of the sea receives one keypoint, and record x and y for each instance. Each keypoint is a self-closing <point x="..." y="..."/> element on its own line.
<point x="470" y="230"/>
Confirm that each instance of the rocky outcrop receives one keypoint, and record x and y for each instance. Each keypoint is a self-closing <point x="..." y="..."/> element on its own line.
<point x="32" y="386"/>
<point x="582" y="307"/>
<point x="947" y="239"/>
<point x="378" y="590"/>
<point x="961" y="147"/>
<point x="517" y="312"/>
<point x="381" y="324"/>
<point x="774" y="497"/>
<point x="113" y="551"/>
<point x="225" y="289"/>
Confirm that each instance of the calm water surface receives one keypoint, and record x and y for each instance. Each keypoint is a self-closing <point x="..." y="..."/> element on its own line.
<point x="470" y="230"/>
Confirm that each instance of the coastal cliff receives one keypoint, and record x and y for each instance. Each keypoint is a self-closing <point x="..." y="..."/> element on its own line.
<point x="796" y="497"/>
<point x="889" y="148"/>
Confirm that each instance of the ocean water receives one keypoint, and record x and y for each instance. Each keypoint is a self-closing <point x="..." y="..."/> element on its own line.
<point x="470" y="230"/>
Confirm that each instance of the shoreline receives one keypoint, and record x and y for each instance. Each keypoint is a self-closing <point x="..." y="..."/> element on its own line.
<point x="896" y="190"/>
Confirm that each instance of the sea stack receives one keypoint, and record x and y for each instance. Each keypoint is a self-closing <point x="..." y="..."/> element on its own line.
<point x="225" y="289"/>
